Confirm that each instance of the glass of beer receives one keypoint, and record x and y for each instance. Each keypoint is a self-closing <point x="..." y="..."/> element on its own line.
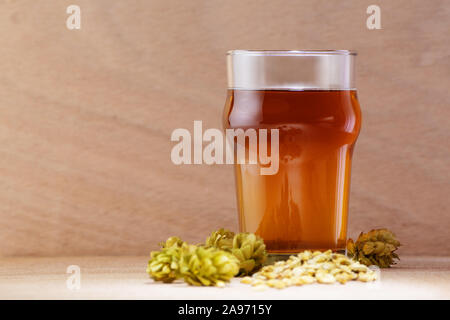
<point x="309" y="97"/>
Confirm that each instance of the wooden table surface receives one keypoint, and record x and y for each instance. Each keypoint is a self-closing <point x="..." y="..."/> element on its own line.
<point x="125" y="278"/>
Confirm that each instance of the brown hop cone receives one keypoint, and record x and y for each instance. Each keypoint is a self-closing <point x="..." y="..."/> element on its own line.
<point x="164" y="265"/>
<point x="202" y="266"/>
<point x="221" y="239"/>
<point x="250" y="251"/>
<point x="376" y="247"/>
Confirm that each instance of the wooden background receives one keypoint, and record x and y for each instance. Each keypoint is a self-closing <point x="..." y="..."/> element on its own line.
<point x="86" y="117"/>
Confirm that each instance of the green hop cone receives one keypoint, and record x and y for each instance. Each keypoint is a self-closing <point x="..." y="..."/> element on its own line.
<point x="250" y="250"/>
<point x="172" y="242"/>
<point x="207" y="266"/>
<point x="164" y="265"/>
<point x="376" y="247"/>
<point x="221" y="239"/>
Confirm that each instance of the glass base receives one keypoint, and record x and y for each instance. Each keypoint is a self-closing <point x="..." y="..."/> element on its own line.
<point x="282" y="256"/>
<point x="297" y="251"/>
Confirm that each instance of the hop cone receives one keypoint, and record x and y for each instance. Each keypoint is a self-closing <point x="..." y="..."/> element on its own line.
<point x="221" y="239"/>
<point x="250" y="251"/>
<point x="164" y="265"/>
<point x="172" y="242"/>
<point x="375" y="247"/>
<point x="208" y="266"/>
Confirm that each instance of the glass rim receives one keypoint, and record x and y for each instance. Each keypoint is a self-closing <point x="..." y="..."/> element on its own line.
<point x="292" y="52"/>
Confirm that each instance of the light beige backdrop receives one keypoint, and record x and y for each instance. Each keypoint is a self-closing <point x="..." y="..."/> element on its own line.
<point x="86" y="117"/>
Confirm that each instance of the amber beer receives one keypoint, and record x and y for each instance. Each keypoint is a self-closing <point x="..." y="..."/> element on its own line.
<point x="305" y="204"/>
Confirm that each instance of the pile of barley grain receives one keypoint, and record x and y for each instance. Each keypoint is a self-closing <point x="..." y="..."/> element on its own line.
<point x="310" y="267"/>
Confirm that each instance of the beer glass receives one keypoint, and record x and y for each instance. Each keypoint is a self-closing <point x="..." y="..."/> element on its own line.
<point x="310" y="98"/>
